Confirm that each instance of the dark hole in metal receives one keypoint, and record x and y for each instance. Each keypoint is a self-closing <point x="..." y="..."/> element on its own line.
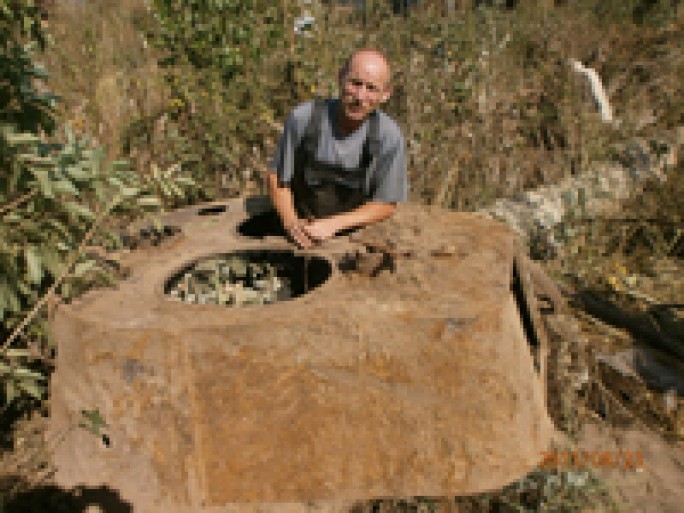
<point x="525" y="314"/>
<point x="262" y="225"/>
<point x="212" y="211"/>
<point x="248" y="277"/>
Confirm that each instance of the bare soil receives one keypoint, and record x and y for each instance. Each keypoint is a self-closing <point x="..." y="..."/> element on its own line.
<point x="657" y="486"/>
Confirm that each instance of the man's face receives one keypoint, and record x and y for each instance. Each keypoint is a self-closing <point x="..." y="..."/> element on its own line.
<point x="364" y="86"/>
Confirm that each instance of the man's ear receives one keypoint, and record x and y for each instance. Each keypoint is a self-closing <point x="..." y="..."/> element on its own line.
<point x="387" y="95"/>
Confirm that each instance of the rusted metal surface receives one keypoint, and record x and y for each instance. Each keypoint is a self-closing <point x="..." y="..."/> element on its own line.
<point x="407" y="372"/>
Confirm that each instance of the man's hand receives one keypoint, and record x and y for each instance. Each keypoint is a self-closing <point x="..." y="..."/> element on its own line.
<point x="307" y="233"/>
<point x="283" y="201"/>
<point x="321" y="229"/>
<point x="298" y="234"/>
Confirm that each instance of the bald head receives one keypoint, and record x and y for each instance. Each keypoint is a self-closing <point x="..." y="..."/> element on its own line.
<point x="368" y="57"/>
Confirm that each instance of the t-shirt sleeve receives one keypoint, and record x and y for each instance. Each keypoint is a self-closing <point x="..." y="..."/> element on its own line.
<point x="389" y="181"/>
<point x="283" y="160"/>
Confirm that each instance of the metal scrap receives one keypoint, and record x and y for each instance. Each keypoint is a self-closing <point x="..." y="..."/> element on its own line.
<point x="234" y="280"/>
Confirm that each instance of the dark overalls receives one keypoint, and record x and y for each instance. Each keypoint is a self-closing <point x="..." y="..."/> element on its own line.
<point x="321" y="189"/>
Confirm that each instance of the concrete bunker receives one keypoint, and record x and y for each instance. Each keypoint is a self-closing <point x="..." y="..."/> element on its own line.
<point x="406" y="372"/>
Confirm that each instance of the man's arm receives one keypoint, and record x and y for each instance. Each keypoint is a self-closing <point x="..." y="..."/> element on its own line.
<point x="368" y="213"/>
<point x="283" y="201"/>
<point x="305" y="234"/>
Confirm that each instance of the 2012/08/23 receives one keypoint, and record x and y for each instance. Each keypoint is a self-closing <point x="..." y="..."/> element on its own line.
<point x="631" y="460"/>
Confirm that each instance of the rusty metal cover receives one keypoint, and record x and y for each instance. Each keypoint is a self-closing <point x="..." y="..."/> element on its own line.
<point x="415" y="378"/>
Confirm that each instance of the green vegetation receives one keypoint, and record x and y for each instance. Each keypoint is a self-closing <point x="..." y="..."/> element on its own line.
<point x="58" y="197"/>
<point x="212" y="52"/>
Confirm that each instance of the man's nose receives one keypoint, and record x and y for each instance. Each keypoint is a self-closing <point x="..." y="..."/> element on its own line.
<point x="362" y="92"/>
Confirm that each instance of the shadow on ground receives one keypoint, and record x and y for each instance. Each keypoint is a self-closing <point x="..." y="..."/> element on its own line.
<point x="58" y="500"/>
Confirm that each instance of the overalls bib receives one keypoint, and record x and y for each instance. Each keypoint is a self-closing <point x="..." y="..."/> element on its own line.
<point x="321" y="189"/>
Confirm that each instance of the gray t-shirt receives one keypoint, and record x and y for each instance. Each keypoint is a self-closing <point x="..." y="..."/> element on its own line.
<point x="388" y="183"/>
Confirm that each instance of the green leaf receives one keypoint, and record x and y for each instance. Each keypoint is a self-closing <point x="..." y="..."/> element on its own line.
<point x="8" y="298"/>
<point x="116" y="182"/>
<point x="36" y="161"/>
<point x="24" y="288"/>
<point x="10" y="391"/>
<point x="171" y="170"/>
<point x="50" y="340"/>
<point x="129" y="192"/>
<point x="100" y="192"/>
<point x="65" y="290"/>
<point x="93" y="421"/>
<point x="60" y="228"/>
<point x="17" y="353"/>
<point x="33" y="266"/>
<point x="184" y="180"/>
<point x="12" y="217"/>
<point x="177" y="191"/>
<point x="149" y="201"/>
<point x="43" y="178"/>
<point x="21" y="139"/>
<point x="24" y="373"/>
<point x="79" y="211"/>
<point x="7" y="129"/>
<point x="83" y="267"/>
<point x="52" y="261"/>
<point x="65" y="187"/>
<point x="120" y="165"/>
<point x="78" y="172"/>
<point x="166" y="190"/>
<point x="33" y="389"/>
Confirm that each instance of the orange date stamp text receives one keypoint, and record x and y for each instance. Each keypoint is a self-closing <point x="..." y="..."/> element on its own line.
<point x="629" y="460"/>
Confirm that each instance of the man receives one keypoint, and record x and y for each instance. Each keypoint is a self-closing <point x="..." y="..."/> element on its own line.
<point x="340" y="163"/>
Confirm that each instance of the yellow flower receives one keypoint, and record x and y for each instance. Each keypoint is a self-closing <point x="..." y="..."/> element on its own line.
<point x="176" y="103"/>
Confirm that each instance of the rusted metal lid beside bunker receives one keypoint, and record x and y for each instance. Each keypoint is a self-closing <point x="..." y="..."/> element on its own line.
<point x="407" y="370"/>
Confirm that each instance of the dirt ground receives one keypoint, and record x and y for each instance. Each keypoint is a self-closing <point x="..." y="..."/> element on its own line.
<point x="646" y="428"/>
<point x="657" y="486"/>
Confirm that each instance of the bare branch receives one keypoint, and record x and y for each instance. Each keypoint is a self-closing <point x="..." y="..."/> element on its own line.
<point x="15" y="203"/>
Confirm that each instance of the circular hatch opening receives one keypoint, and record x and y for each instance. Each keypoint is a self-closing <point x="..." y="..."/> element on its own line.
<point x="212" y="210"/>
<point x="258" y="226"/>
<point x="248" y="277"/>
